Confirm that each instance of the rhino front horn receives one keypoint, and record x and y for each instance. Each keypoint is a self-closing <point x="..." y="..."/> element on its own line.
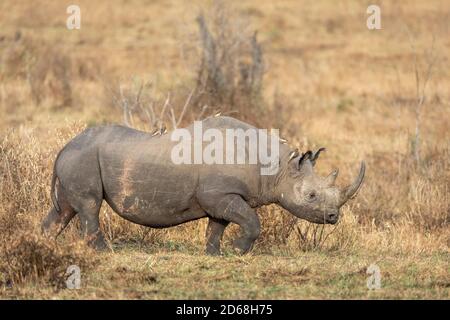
<point x="350" y="191"/>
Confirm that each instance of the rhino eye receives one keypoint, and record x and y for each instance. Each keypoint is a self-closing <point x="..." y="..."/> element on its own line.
<point x="312" y="196"/>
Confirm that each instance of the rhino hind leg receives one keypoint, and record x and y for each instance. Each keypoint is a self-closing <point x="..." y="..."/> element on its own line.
<point x="90" y="223"/>
<point x="55" y="222"/>
<point x="214" y="234"/>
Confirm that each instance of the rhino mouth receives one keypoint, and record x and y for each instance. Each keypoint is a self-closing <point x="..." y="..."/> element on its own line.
<point x="327" y="218"/>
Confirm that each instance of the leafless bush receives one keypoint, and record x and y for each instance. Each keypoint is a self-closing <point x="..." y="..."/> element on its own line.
<point x="312" y="236"/>
<point x="231" y="68"/>
<point x="13" y="57"/>
<point x="21" y="168"/>
<point x="428" y="193"/>
<point x="49" y="76"/>
<point x="25" y="173"/>
<point x="277" y="225"/>
<point x="415" y="197"/>
<point x="422" y="78"/>
<point x="25" y="169"/>
<point x="141" y="108"/>
<point x="282" y="229"/>
<point x="46" y="68"/>
<point x="229" y="76"/>
<point x="30" y="257"/>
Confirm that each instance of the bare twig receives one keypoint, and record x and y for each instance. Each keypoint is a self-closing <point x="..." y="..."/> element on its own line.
<point x="188" y="100"/>
<point x="231" y="68"/>
<point x="204" y="108"/>
<point x="124" y="103"/>
<point x="172" y="117"/>
<point x="421" y="86"/>
<point x="163" y="111"/>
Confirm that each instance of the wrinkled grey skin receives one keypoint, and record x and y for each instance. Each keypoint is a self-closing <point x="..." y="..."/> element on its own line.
<point x="133" y="172"/>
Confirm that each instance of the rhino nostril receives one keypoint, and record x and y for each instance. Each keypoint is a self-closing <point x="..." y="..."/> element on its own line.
<point x="332" y="216"/>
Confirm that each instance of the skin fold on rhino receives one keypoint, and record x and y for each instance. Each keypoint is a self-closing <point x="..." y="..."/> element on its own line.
<point x="133" y="172"/>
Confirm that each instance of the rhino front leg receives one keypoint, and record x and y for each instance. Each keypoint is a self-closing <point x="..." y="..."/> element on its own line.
<point x="233" y="208"/>
<point x="214" y="234"/>
<point x="251" y="228"/>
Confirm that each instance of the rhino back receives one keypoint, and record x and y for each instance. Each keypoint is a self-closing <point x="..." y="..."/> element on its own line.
<point x="142" y="183"/>
<point x="77" y="163"/>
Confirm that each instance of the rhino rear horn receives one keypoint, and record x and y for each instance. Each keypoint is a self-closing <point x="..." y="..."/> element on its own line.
<point x="331" y="178"/>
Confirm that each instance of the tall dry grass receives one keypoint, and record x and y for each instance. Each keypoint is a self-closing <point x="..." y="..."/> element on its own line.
<point x="416" y="200"/>
<point x="231" y="68"/>
<point x="46" y="69"/>
<point x="25" y="254"/>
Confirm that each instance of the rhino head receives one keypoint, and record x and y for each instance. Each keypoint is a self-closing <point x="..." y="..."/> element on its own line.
<point x="312" y="197"/>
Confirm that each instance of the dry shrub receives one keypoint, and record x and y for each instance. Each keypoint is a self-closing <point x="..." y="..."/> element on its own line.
<point x="126" y="276"/>
<point x="413" y="200"/>
<point x="139" y="104"/>
<point x="13" y="57"/>
<point x="229" y="69"/>
<point x="46" y="68"/>
<point x="231" y="66"/>
<point x="49" y="76"/>
<point x="277" y="225"/>
<point x="25" y="170"/>
<point x="428" y="198"/>
<point x="27" y="256"/>
<point x="311" y="236"/>
<point x="416" y="195"/>
<point x="143" y="108"/>
<point x="87" y="68"/>
<point x="344" y="235"/>
<point x="282" y="229"/>
<point x="24" y="183"/>
<point x="26" y="167"/>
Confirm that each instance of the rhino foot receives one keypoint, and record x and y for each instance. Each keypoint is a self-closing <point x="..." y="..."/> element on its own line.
<point x="98" y="242"/>
<point x="212" y="251"/>
<point x="243" y="245"/>
<point x="214" y="234"/>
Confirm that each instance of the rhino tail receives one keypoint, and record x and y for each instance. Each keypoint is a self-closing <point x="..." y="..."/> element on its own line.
<point x="53" y="194"/>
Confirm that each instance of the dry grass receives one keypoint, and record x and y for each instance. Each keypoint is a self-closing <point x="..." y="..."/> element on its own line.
<point x="29" y="258"/>
<point x="25" y="255"/>
<point x="328" y="81"/>
<point x="231" y="69"/>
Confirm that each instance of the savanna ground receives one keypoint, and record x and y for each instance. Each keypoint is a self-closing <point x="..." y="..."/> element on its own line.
<point x="378" y="95"/>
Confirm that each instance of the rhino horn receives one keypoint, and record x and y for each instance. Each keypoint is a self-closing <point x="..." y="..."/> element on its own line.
<point x="350" y="191"/>
<point x="331" y="178"/>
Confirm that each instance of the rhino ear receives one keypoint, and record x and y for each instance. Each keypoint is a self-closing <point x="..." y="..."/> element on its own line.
<point x="304" y="162"/>
<point x="315" y="155"/>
